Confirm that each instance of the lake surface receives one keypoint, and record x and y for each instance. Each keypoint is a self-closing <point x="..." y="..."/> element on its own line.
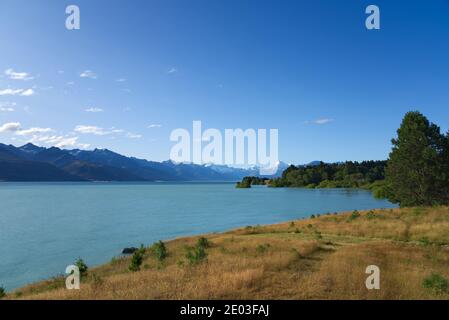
<point x="45" y="227"/>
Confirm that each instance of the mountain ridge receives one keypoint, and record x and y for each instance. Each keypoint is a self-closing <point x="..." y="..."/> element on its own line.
<point x="55" y="164"/>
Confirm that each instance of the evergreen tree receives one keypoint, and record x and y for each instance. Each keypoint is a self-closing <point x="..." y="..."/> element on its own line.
<point x="415" y="170"/>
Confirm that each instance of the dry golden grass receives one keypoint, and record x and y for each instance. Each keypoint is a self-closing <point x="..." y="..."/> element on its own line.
<point x="320" y="258"/>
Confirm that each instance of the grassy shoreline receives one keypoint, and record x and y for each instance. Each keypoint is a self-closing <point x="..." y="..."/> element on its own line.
<point x="324" y="257"/>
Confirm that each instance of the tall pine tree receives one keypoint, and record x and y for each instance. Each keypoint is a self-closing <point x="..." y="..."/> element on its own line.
<point x="417" y="170"/>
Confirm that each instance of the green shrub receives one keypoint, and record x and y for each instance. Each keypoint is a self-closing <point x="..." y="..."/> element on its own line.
<point x="136" y="261"/>
<point x="2" y="292"/>
<point x="203" y="242"/>
<point x="436" y="283"/>
<point x="196" y="254"/>
<point x="82" y="267"/>
<point x="355" y="214"/>
<point x="160" y="250"/>
<point x="371" y="215"/>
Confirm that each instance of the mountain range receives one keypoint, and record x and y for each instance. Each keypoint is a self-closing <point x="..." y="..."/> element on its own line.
<point x="33" y="163"/>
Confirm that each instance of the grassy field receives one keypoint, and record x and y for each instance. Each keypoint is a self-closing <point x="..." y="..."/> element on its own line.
<point x="323" y="257"/>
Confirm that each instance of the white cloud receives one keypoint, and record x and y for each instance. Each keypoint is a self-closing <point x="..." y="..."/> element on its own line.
<point x="121" y="80"/>
<point x="88" y="74"/>
<point x="7" y="106"/>
<point x="58" y="141"/>
<point x="172" y="70"/>
<point x="154" y="126"/>
<point x="11" y="74"/>
<point x="91" y="130"/>
<point x="320" y="121"/>
<point x="10" y="127"/>
<point x="14" y="92"/>
<point x="33" y="131"/>
<point x="94" y="110"/>
<point x="133" y="135"/>
<point x="27" y="93"/>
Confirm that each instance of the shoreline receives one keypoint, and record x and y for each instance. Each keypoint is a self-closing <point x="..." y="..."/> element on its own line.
<point x="319" y="234"/>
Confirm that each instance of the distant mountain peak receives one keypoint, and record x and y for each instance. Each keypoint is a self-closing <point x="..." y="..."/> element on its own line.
<point x="29" y="147"/>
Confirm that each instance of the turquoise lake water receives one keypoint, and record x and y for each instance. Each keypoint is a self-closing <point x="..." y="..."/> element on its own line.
<point x="46" y="226"/>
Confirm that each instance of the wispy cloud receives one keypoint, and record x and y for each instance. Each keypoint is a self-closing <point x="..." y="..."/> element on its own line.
<point x="99" y="131"/>
<point x="7" y="106"/>
<point x="91" y="130"/>
<point x="121" y="80"/>
<point x="17" y="92"/>
<point x="172" y="70"/>
<point x="88" y="74"/>
<point x="27" y="92"/>
<point x="10" y="127"/>
<point x="320" y="121"/>
<point x="59" y="141"/>
<point x="33" y="130"/>
<point x="154" y="126"/>
<point x="133" y="135"/>
<point x="11" y="74"/>
<point x="94" y="110"/>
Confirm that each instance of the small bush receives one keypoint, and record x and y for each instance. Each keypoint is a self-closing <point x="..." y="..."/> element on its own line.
<point x="196" y="254"/>
<point x="136" y="261"/>
<point x="160" y="250"/>
<point x="82" y="267"/>
<point x="2" y="292"/>
<point x="318" y="235"/>
<point x="436" y="283"/>
<point x="312" y="216"/>
<point x="355" y="214"/>
<point x="292" y="224"/>
<point x="371" y="215"/>
<point x="203" y="242"/>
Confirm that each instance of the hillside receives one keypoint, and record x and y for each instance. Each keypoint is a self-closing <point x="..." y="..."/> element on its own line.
<point x="322" y="257"/>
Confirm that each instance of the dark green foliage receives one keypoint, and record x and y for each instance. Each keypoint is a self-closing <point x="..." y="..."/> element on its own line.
<point x="247" y="182"/>
<point x="160" y="250"/>
<point x="437" y="283"/>
<point x="335" y="175"/>
<point x="2" y="292"/>
<point x="418" y="168"/>
<point x="136" y="261"/>
<point x="82" y="267"/>
<point x="203" y="242"/>
<point x="355" y="214"/>
<point x="196" y="254"/>
<point x="371" y="215"/>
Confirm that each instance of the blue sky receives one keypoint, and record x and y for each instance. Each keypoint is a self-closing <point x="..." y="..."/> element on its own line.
<point x="311" y="69"/>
